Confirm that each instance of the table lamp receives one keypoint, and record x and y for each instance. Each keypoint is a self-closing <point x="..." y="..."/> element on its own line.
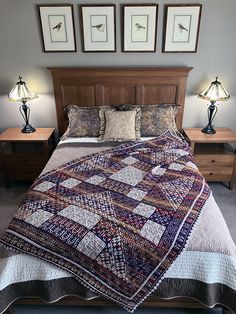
<point x="215" y="92"/>
<point x="22" y="92"/>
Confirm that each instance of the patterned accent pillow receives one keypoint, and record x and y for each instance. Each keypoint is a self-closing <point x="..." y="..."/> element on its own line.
<point x="155" y="119"/>
<point x="158" y="118"/>
<point x="119" y="125"/>
<point x="83" y="121"/>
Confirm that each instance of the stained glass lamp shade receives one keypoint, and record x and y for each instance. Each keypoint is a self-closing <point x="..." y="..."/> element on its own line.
<point x="215" y="92"/>
<point x="21" y="92"/>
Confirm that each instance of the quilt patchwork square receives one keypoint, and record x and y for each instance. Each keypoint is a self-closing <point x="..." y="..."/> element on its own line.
<point x="137" y="194"/>
<point x="44" y="186"/>
<point x="39" y="217"/>
<point x="158" y="171"/>
<point x="176" y="166"/>
<point x="144" y="210"/>
<point x="129" y="160"/>
<point x="129" y="175"/>
<point x="91" y="245"/>
<point x="95" y="179"/>
<point x="70" y="183"/>
<point x="80" y="215"/>
<point x="152" y="231"/>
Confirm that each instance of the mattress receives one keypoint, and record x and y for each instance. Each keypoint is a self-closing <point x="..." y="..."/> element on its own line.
<point x="205" y="270"/>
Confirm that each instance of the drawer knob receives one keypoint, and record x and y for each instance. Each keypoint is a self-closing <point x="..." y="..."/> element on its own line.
<point x="211" y="173"/>
<point x="213" y="160"/>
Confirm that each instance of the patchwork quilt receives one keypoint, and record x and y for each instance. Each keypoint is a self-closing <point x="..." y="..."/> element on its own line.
<point x="116" y="220"/>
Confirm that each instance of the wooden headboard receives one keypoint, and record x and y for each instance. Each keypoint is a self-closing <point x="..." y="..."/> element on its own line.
<point x="104" y="86"/>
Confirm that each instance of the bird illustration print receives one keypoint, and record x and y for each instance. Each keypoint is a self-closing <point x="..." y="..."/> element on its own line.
<point x="182" y="28"/>
<point x="138" y="26"/>
<point x="99" y="27"/>
<point x="58" y="26"/>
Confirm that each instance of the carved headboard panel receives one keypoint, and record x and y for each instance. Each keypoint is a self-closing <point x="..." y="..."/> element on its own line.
<point x="104" y="86"/>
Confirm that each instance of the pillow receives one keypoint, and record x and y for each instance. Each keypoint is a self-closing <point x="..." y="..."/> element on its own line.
<point x="155" y="118"/>
<point x="119" y="125"/>
<point x="83" y="121"/>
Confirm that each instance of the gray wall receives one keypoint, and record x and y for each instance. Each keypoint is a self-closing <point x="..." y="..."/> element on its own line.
<point x="21" y="54"/>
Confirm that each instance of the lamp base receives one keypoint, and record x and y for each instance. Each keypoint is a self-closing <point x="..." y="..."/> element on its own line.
<point x="208" y="129"/>
<point x="28" y="128"/>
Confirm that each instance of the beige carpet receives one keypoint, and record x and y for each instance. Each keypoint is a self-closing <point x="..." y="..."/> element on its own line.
<point x="10" y="199"/>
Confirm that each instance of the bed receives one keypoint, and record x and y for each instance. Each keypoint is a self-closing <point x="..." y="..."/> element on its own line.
<point x="198" y="285"/>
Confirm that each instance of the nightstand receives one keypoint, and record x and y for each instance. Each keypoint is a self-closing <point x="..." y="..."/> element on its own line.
<point x="213" y="155"/>
<point x="23" y="155"/>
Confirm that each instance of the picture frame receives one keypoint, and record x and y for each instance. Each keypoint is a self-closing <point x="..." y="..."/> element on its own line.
<point x="140" y="27"/>
<point x="181" y="27"/>
<point x="57" y="27"/>
<point x="98" y="25"/>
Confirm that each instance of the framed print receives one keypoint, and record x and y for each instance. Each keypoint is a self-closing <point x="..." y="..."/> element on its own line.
<point x="140" y="24"/>
<point x="181" y="27"/>
<point x="98" y="28"/>
<point x="57" y="27"/>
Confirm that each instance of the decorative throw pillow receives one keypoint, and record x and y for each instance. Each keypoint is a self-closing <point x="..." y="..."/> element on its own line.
<point x="157" y="118"/>
<point x="83" y="121"/>
<point x="119" y="125"/>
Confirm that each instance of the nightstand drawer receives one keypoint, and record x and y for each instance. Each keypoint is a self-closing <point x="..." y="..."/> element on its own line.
<point x="16" y="160"/>
<point x="23" y="173"/>
<point x="216" y="160"/>
<point x="22" y="167"/>
<point x="216" y="174"/>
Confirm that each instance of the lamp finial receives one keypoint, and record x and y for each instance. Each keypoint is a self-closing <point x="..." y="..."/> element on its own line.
<point x="20" y="82"/>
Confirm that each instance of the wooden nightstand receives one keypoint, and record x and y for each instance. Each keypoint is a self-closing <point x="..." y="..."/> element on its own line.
<point x="213" y="155"/>
<point x="23" y="155"/>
